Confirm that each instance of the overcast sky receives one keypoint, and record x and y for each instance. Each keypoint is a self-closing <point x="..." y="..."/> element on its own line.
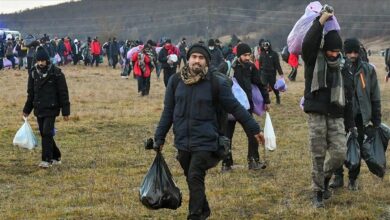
<point x="10" y="6"/>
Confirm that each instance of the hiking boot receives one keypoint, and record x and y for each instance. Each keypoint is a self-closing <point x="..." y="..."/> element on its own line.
<point x="327" y="193"/>
<point x="278" y="100"/>
<point x="352" y="185"/>
<point x="337" y="182"/>
<point x="44" y="164"/>
<point x="226" y="168"/>
<point x="318" y="201"/>
<point x="256" y="165"/>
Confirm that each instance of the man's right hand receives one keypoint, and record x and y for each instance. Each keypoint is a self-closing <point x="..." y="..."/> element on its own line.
<point x="325" y="16"/>
<point x="260" y="138"/>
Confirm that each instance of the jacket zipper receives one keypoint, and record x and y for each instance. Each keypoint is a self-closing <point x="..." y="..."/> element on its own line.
<point x="189" y="117"/>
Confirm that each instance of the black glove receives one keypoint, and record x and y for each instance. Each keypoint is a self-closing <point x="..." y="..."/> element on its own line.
<point x="353" y="131"/>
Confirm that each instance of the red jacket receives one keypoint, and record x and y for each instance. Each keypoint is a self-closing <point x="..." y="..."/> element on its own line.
<point x="68" y="47"/>
<point x="137" y="68"/>
<point x="95" y="48"/>
<point x="293" y="60"/>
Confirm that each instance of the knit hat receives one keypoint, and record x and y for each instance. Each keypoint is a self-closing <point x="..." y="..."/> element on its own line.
<point x="199" y="48"/>
<point x="351" y="45"/>
<point x="42" y="54"/>
<point x="211" y="43"/>
<point x="243" y="49"/>
<point x="332" y="41"/>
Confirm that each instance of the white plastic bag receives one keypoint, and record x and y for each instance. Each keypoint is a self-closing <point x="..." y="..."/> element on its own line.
<point x="269" y="134"/>
<point x="25" y="137"/>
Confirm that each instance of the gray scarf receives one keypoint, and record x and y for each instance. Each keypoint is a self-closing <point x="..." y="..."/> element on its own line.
<point x="324" y="67"/>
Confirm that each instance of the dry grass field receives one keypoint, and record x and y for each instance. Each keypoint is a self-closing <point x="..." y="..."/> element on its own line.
<point x="104" y="161"/>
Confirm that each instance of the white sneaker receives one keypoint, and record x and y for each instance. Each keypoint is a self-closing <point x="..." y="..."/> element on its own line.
<point x="56" y="162"/>
<point x="44" y="164"/>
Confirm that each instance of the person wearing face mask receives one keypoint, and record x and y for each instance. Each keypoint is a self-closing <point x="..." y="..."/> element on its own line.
<point x="188" y="106"/>
<point x="246" y="73"/>
<point x="47" y="94"/>
<point x="216" y="55"/>
<point x="366" y="103"/>
<point x="269" y="63"/>
<point x="327" y="104"/>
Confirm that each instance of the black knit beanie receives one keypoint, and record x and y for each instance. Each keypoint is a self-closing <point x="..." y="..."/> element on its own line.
<point x="351" y="45"/>
<point x="332" y="41"/>
<point x="243" y="49"/>
<point x="199" y="48"/>
<point x="42" y="54"/>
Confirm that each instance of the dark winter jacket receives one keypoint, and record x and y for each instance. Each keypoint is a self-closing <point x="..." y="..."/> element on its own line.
<point x="47" y="95"/>
<point x="366" y="93"/>
<point x="216" y="58"/>
<point x="318" y="101"/>
<point x="191" y="111"/>
<point x="269" y="63"/>
<point x="2" y="48"/>
<point x="114" y="49"/>
<point x="61" y="48"/>
<point x="247" y="74"/>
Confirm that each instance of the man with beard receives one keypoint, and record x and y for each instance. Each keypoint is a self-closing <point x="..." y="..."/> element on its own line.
<point x="47" y="95"/>
<point x="269" y="63"/>
<point x="366" y="103"/>
<point x="246" y="73"/>
<point x="326" y="104"/>
<point x="167" y="64"/>
<point x="190" y="108"/>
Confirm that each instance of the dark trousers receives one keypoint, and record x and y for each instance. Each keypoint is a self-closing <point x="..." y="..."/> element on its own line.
<point x="76" y="59"/>
<point x="195" y="164"/>
<point x="353" y="174"/>
<point x="253" y="146"/>
<point x="1" y="63"/>
<point x="20" y="62"/>
<point x="50" y="150"/>
<point x="270" y="80"/>
<point x="168" y="72"/>
<point x="30" y="63"/>
<point x="158" y="69"/>
<point x="114" y="61"/>
<point x="293" y="73"/>
<point x="12" y="59"/>
<point x="143" y="85"/>
<point x="182" y="57"/>
<point x="95" y="58"/>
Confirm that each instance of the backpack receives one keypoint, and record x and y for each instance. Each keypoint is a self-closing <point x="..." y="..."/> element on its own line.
<point x="222" y="115"/>
<point x="285" y="54"/>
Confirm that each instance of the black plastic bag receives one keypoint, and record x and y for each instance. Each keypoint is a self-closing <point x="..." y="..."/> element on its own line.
<point x="158" y="190"/>
<point x="385" y="135"/>
<point x="373" y="151"/>
<point x="353" y="153"/>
